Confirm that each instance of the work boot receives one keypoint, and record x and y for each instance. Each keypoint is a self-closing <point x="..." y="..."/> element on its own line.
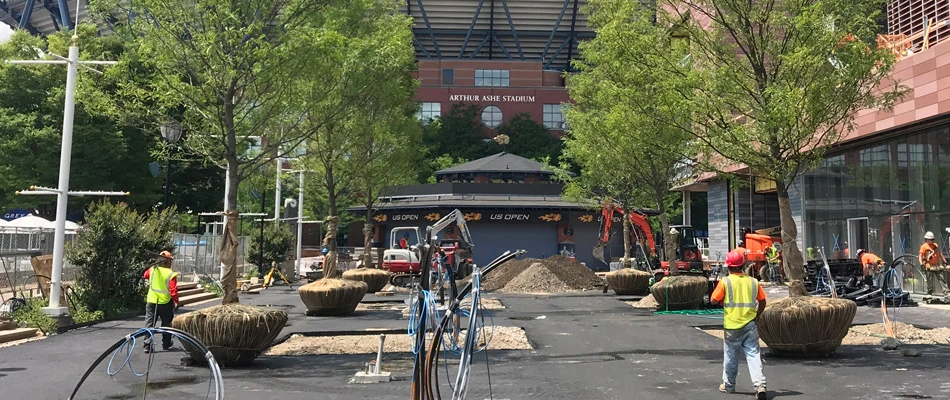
<point x="761" y="393"/>
<point x="724" y="389"/>
<point x="148" y="349"/>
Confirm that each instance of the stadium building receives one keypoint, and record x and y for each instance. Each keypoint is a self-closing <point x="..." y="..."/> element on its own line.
<point x="507" y="57"/>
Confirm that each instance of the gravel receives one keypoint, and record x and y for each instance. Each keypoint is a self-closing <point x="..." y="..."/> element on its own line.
<point x="872" y="334"/>
<point x="502" y="338"/>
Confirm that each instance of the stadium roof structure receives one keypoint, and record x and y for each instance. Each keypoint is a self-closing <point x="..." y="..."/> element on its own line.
<point x="42" y="17"/>
<point x="546" y="31"/>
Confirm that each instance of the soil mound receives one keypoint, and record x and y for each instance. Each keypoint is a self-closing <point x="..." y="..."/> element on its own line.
<point x="552" y="275"/>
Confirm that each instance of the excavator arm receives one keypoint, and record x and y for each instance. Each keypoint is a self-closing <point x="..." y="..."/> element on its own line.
<point x="458" y="218"/>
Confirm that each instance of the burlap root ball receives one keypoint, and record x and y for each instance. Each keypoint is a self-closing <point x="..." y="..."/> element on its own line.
<point x="679" y="293"/>
<point x="376" y="279"/>
<point x="235" y="333"/>
<point x="805" y="326"/>
<point x="332" y="296"/>
<point x="627" y="281"/>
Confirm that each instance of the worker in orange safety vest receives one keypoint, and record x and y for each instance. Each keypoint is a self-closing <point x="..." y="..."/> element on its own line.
<point x="743" y="300"/>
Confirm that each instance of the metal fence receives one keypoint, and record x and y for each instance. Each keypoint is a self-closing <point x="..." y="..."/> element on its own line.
<point x="17" y="247"/>
<point x="199" y="255"/>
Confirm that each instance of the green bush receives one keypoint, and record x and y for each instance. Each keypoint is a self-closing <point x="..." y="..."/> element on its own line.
<point x="33" y="315"/>
<point x="111" y="255"/>
<point x="250" y="273"/>
<point x="278" y="243"/>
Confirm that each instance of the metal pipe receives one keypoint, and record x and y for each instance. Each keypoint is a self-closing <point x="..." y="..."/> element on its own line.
<point x="379" y="355"/>
<point x="277" y="195"/>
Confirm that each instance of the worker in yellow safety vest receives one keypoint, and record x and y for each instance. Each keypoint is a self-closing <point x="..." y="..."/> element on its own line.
<point x="743" y="300"/>
<point x="162" y="299"/>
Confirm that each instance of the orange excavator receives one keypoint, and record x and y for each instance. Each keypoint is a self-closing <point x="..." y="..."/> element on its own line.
<point x="641" y="231"/>
<point x="689" y="257"/>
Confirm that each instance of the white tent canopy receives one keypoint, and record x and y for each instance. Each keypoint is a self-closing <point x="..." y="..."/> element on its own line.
<point x="31" y="221"/>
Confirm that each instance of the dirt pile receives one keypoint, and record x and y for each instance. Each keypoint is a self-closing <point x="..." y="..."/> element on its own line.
<point x="907" y="333"/>
<point x="552" y="275"/>
<point x="646" y="302"/>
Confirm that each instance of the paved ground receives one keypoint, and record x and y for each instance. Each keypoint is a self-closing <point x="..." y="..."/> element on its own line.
<point x="587" y="346"/>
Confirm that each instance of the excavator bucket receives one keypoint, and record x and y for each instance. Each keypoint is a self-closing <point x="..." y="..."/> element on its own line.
<point x="599" y="251"/>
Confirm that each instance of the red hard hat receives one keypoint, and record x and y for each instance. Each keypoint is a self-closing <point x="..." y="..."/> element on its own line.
<point x="735" y="259"/>
<point x="166" y="254"/>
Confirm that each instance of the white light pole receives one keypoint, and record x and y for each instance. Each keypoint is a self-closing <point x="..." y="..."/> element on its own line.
<point x="65" y="155"/>
<point x="300" y="223"/>
<point x="277" y="195"/>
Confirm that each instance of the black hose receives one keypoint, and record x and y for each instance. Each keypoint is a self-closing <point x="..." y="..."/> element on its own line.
<point x="141" y="332"/>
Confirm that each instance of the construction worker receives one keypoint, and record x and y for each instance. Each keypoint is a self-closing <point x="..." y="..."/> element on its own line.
<point x="872" y="265"/>
<point x="404" y="242"/>
<point x="932" y="261"/>
<point x="162" y="299"/>
<point x="743" y="300"/>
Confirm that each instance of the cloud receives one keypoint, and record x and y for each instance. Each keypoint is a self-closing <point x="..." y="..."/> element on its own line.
<point x="5" y="32"/>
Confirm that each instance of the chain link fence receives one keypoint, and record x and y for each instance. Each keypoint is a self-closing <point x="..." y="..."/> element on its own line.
<point x="17" y="247"/>
<point x="199" y="255"/>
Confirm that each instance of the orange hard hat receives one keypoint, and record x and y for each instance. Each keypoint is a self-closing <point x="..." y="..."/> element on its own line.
<point x="735" y="259"/>
<point x="167" y="254"/>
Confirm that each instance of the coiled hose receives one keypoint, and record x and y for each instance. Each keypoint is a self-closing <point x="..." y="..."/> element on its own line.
<point x="128" y="343"/>
<point x="431" y="373"/>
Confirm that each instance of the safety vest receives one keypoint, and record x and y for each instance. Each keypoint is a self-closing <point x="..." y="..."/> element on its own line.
<point x="739" y="306"/>
<point x="158" y="281"/>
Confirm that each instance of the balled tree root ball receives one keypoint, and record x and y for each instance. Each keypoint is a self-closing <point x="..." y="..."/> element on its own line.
<point x="376" y="279"/>
<point x="235" y="333"/>
<point x="804" y="326"/>
<point x="327" y="297"/>
<point x="679" y="293"/>
<point x="629" y="281"/>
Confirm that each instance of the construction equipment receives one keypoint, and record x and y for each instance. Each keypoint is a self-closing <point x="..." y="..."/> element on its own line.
<point x="641" y="231"/>
<point x="405" y="264"/>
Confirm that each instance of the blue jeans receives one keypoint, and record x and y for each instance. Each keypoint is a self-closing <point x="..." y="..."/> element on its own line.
<point x="745" y="339"/>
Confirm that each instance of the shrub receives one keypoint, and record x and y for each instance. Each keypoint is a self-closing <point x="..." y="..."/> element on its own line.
<point x="278" y="243"/>
<point x="111" y="255"/>
<point x="33" y="315"/>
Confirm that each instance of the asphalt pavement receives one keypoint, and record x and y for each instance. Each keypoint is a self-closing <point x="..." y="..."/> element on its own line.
<point x="587" y="346"/>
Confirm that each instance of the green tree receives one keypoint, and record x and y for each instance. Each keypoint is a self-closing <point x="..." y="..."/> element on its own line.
<point x="31" y="114"/>
<point x="619" y="131"/>
<point x="527" y="138"/>
<point x="773" y="84"/>
<point x="382" y="59"/>
<point x="460" y="133"/>
<point x="385" y="153"/>
<point x="278" y="246"/>
<point x="234" y="72"/>
<point x="112" y="252"/>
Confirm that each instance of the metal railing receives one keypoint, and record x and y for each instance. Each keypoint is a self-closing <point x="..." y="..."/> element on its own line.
<point x="200" y="254"/>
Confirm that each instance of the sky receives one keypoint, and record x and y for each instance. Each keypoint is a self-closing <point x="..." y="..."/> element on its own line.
<point x="5" y="32"/>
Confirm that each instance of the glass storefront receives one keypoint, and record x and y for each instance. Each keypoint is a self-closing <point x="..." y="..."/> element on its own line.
<point x="881" y="197"/>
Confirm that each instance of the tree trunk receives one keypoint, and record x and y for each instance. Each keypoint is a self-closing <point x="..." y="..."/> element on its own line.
<point x="669" y="242"/>
<point x="627" y="229"/>
<point x="368" y="237"/>
<point x="229" y="245"/>
<point x="791" y="255"/>
<point x="329" y="241"/>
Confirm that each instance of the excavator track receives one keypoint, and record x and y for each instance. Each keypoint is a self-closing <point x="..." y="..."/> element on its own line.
<point x="403" y="280"/>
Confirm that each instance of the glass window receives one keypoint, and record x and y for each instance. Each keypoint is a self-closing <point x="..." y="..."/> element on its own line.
<point x="491" y="77"/>
<point x="491" y="116"/>
<point x="448" y="77"/>
<point x="430" y="111"/>
<point x="553" y="118"/>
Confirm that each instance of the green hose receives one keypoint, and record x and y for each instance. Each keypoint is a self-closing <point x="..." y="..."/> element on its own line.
<point x="713" y="311"/>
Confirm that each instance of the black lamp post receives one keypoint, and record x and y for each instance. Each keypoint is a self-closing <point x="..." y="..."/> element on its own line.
<point x="171" y="131"/>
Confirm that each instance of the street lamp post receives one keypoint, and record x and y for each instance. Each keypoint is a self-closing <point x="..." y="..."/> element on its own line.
<point x="62" y="192"/>
<point x="171" y="131"/>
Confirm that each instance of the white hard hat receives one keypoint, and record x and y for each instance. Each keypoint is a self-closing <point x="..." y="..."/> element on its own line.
<point x="929" y="235"/>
